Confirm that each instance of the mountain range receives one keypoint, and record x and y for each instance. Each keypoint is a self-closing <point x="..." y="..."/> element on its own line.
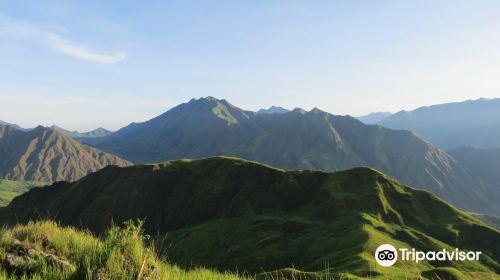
<point x="234" y="214"/>
<point x="47" y="155"/>
<point x="98" y="132"/>
<point x="450" y="125"/>
<point x="373" y="118"/>
<point x="299" y="139"/>
<point x="273" y="110"/>
<point x="12" y="125"/>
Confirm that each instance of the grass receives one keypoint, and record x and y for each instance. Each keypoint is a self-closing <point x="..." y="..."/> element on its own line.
<point x="119" y="254"/>
<point x="10" y="189"/>
<point x="240" y="216"/>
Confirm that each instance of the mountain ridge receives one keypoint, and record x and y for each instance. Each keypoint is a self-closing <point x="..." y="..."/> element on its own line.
<point x="373" y="118"/>
<point x="44" y="154"/>
<point x="233" y="214"/>
<point x="450" y="125"/>
<point x="298" y="139"/>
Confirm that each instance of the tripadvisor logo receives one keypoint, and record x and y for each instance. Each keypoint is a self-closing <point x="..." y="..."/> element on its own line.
<point x="387" y="255"/>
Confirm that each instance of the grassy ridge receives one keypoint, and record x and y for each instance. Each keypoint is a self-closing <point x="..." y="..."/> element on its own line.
<point x="119" y="254"/>
<point x="237" y="215"/>
<point x="10" y="189"/>
<point x="298" y="139"/>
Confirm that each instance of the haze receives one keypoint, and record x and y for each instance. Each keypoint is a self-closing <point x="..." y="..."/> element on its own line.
<point x="108" y="63"/>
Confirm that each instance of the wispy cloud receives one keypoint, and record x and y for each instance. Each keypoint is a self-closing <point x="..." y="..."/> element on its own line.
<point x="80" y="51"/>
<point x="56" y="41"/>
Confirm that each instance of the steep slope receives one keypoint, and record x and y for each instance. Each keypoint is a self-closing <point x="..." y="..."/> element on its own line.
<point x="10" y="189"/>
<point x="298" y="140"/>
<point x="373" y="118"/>
<point x="234" y="214"/>
<point x="46" y="155"/>
<point x="469" y="123"/>
<point x="483" y="163"/>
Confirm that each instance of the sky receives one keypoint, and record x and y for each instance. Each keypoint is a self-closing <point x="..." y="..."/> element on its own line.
<point x="88" y="63"/>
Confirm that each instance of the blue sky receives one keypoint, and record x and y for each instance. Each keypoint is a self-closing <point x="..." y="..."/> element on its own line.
<point x="85" y="64"/>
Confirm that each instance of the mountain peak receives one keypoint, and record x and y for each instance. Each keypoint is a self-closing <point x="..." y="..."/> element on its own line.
<point x="273" y="110"/>
<point x="300" y="111"/>
<point x="47" y="154"/>
<point x="206" y="99"/>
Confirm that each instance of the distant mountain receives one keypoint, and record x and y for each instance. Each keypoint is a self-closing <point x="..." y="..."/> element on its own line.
<point x="99" y="132"/>
<point x="469" y="123"/>
<point x="13" y="126"/>
<point x="490" y="220"/>
<point x="298" y="140"/>
<point x="484" y="164"/>
<point x="47" y="155"/>
<point x="238" y="215"/>
<point x="373" y="118"/>
<point x="273" y="110"/>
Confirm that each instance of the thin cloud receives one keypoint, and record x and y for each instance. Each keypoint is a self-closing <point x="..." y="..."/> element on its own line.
<point x="79" y="51"/>
<point x="56" y="41"/>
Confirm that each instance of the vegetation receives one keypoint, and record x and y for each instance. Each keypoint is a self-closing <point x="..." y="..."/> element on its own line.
<point x="10" y="189"/>
<point x="44" y="250"/>
<point x="300" y="140"/>
<point x="240" y="216"/>
<point x="120" y="254"/>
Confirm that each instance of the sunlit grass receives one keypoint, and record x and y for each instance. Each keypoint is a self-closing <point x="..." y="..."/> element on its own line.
<point x="119" y="254"/>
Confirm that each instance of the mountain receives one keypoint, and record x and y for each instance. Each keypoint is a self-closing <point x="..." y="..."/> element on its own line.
<point x="373" y="118"/>
<point x="298" y="140"/>
<point x="47" y="155"/>
<point x="484" y="164"/>
<point x="98" y="132"/>
<point x="273" y="110"/>
<point x="469" y="123"/>
<point x="491" y="220"/>
<point x="13" y="125"/>
<point x="10" y="189"/>
<point x="233" y="214"/>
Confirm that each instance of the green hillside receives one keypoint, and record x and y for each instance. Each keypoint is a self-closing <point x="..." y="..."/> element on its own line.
<point x="10" y="189"/>
<point x="298" y="139"/>
<point x="237" y="215"/>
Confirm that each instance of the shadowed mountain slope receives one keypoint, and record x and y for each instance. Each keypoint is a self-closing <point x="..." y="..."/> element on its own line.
<point x="239" y="215"/>
<point x="46" y="155"/>
<point x="483" y="162"/>
<point x="298" y="140"/>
